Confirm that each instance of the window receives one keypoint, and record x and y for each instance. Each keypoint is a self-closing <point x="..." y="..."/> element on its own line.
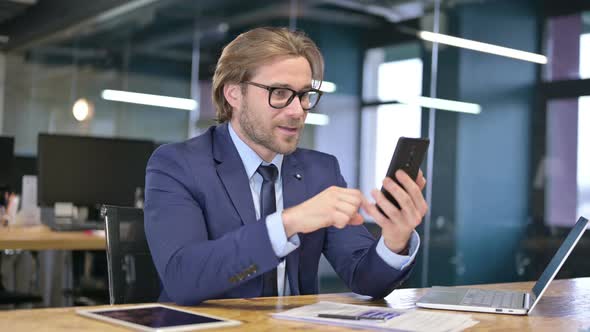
<point x="403" y="77"/>
<point x="585" y="55"/>
<point x="567" y="162"/>
<point x="389" y="72"/>
<point x="583" y="172"/>
<point x="567" y="45"/>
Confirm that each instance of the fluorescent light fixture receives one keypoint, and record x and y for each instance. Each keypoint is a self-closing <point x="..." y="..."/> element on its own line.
<point x="482" y="47"/>
<point x="317" y="119"/>
<point x="440" y="104"/>
<point x="149" y="99"/>
<point x="125" y="8"/>
<point x="326" y="86"/>
<point x="25" y="2"/>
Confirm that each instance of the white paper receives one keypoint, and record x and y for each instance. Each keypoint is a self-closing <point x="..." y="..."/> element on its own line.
<point x="413" y="320"/>
<point x="29" y="213"/>
<point x="29" y="192"/>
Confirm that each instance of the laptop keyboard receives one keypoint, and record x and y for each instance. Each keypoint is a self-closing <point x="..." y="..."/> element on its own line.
<point x="494" y="299"/>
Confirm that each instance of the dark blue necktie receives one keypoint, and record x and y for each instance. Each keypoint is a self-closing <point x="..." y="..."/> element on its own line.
<point x="268" y="205"/>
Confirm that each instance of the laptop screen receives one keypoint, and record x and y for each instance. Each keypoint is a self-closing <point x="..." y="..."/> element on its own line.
<point x="557" y="261"/>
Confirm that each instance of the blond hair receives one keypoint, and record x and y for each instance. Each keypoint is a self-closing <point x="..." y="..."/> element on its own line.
<point x="252" y="49"/>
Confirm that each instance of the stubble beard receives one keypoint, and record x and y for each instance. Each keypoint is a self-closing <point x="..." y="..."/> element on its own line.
<point x="263" y="137"/>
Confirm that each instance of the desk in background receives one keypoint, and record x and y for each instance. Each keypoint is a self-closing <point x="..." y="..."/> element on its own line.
<point x="42" y="238"/>
<point x="564" y="307"/>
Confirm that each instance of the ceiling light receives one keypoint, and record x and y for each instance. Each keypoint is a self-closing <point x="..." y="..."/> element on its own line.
<point x="82" y="110"/>
<point x="149" y="99"/>
<point x="482" y="47"/>
<point x="317" y="119"/>
<point x="440" y="104"/>
<point x="326" y="86"/>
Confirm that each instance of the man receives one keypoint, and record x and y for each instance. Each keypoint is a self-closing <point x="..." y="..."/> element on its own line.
<point x="240" y="211"/>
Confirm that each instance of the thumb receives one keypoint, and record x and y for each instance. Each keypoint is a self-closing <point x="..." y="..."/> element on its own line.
<point x="357" y="219"/>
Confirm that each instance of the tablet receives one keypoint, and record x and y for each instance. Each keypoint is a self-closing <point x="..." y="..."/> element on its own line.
<point x="157" y="317"/>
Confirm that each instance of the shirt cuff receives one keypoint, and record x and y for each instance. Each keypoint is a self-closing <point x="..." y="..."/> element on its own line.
<point x="278" y="238"/>
<point x="399" y="262"/>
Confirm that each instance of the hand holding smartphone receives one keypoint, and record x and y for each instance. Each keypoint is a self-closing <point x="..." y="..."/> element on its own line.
<point x="408" y="156"/>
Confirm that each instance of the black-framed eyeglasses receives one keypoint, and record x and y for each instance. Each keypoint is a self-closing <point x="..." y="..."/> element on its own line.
<point x="281" y="97"/>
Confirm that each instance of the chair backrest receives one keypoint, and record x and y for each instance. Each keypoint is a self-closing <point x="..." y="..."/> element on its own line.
<point x="132" y="275"/>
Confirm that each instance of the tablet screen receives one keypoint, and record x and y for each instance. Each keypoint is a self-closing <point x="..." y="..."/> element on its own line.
<point x="156" y="317"/>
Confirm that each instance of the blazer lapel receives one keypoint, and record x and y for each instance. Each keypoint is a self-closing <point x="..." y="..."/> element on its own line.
<point x="294" y="192"/>
<point x="230" y="170"/>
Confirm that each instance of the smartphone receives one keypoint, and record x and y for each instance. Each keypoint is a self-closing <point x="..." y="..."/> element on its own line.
<point x="408" y="156"/>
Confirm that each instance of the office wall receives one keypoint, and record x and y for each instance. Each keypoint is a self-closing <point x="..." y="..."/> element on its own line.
<point x="341" y="48"/>
<point x="442" y="266"/>
<point x="493" y="148"/>
<point x="39" y="98"/>
<point x="481" y="182"/>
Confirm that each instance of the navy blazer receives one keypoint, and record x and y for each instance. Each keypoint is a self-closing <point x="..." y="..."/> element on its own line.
<point x="206" y="243"/>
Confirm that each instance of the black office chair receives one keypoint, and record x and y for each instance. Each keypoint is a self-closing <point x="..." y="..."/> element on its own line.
<point x="132" y="275"/>
<point x="8" y="297"/>
<point x="16" y="298"/>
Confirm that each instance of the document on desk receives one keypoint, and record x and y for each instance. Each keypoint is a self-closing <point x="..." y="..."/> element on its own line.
<point x="378" y="317"/>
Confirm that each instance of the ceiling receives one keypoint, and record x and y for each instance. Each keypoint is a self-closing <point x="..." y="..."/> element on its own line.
<point x="56" y="20"/>
<point x="161" y="34"/>
<point x="13" y="8"/>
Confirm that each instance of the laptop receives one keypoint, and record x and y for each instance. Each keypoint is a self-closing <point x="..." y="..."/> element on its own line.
<point x="77" y="226"/>
<point x="72" y="225"/>
<point x="68" y="224"/>
<point x="503" y="301"/>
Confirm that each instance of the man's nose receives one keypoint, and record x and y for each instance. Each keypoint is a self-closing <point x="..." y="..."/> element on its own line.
<point x="295" y="109"/>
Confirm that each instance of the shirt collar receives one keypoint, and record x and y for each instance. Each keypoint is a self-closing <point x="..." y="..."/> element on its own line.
<point x="250" y="158"/>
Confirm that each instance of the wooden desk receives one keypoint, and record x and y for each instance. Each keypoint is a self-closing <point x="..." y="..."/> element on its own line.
<point x="55" y="251"/>
<point x="564" y="307"/>
<point x="43" y="238"/>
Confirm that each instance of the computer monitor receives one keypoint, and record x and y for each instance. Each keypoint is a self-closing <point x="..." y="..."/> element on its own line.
<point x="6" y="161"/>
<point x="88" y="171"/>
<point x="23" y="165"/>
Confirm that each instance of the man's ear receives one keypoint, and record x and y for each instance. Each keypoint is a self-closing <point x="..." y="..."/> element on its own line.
<point x="233" y="94"/>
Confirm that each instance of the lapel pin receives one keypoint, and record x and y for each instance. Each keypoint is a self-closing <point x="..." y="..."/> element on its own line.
<point x="298" y="176"/>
